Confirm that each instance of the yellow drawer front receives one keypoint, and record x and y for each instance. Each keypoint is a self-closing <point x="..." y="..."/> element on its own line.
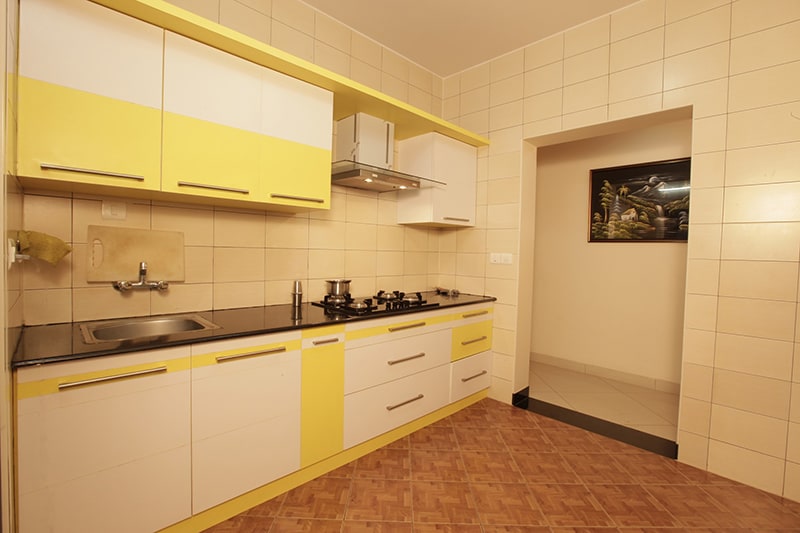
<point x="206" y="159"/>
<point x="471" y="339"/>
<point x="321" y="403"/>
<point x="71" y="135"/>
<point x="295" y="174"/>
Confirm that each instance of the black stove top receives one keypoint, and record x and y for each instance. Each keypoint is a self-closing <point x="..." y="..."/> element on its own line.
<point x="384" y="302"/>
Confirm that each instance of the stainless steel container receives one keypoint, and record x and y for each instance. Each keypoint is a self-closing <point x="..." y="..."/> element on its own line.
<point x="297" y="294"/>
<point x="338" y="287"/>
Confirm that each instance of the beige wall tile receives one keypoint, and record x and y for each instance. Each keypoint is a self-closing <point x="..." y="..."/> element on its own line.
<point x="506" y="115"/>
<point x="48" y="214"/>
<point x="508" y="65"/>
<point x="796" y="366"/>
<point x="470" y="264"/>
<point x="587" y="36"/>
<point x="199" y="261"/>
<point x="287" y="232"/>
<point x="506" y="90"/>
<point x="706" y="205"/>
<point x="702" y="276"/>
<point x="704" y="241"/>
<point x="707" y="99"/>
<point x="700" y="312"/>
<point x="238" y="294"/>
<point x="794" y="408"/>
<point x="475" y="100"/>
<point x="586" y="65"/>
<point x="362" y="209"/>
<point x="360" y="264"/>
<point x="238" y="264"/>
<point x="394" y="87"/>
<point x="326" y="235"/>
<point x="48" y="306"/>
<point x="752" y="355"/>
<point x="243" y="230"/>
<point x="769" y="125"/>
<point x="749" y="467"/>
<point x="764" y="242"/>
<point x="505" y="216"/>
<point x="635" y="82"/>
<point x="295" y="14"/>
<point x="37" y="274"/>
<point x="766" y="48"/>
<point x="104" y="302"/>
<point x="87" y="212"/>
<point x="182" y="298"/>
<point x="471" y="241"/>
<point x="390" y="238"/>
<point x="205" y="8"/>
<point x="197" y="225"/>
<point x="635" y="107"/>
<point x="697" y="66"/>
<point x="543" y="106"/>
<point x="708" y="170"/>
<point x="422" y="79"/>
<point x="754" y="394"/>
<point x="543" y="79"/>
<point x="360" y="236"/>
<point x="245" y="19"/>
<point x="326" y="264"/>
<point x="503" y="191"/>
<point x="414" y="264"/>
<point x="769" y="86"/>
<point x="708" y="134"/>
<point x="698" y="346"/>
<point x="476" y="122"/>
<point x="696" y="382"/>
<point x="365" y="74"/>
<point x="332" y="32"/>
<point x="505" y="141"/>
<point x="286" y="264"/>
<point x="759" y="279"/>
<point x="451" y="108"/>
<point x="587" y="117"/>
<point x="791" y="484"/>
<point x="280" y="292"/>
<point x="693" y="449"/>
<point x="695" y="416"/>
<point x="365" y="50"/>
<point x="637" y="18"/>
<point x="586" y="95"/>
<point x="758" y="318"/>
<point x="292" y="40"/>
<point x="793" y="443"/>
<point x="415" y="239"/>
<point x="475" y="77"/>
<point x="394" y="65"/>
<point x="680" y="9"/>
<point x="704" y="29"/>
<point x="750" y="16"/>
<point x="747" y="430"/>
<point x="637" y="50"/>
<point x="331" y="58"/>
<point x="762" y="164"/>
<point x="544" y="52"/>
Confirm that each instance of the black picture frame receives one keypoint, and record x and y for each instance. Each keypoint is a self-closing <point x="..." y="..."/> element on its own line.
<point x="645" y="202"/>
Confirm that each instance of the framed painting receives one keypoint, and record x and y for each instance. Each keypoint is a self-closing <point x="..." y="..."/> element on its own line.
<point x="647" y="202"/>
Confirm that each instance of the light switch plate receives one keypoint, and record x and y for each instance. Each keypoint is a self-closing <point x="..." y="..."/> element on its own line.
<point x="113" y="210"/>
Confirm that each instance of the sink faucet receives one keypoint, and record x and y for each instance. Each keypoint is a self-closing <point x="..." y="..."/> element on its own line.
<point x="123" y="286"/>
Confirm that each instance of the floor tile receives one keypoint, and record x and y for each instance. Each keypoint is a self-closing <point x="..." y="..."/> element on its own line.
<point x="654" y="470"/>
<point x="507" y="503"/>
<point x="573" y="440"/>
<point x="632" y="505"/>
<point x="570" y="505"/>
<point x="437" y="465"/>
<point x="479" y="439"/>
<point x="305" y="525"/>
<point x="444" y="503"/>
<point x="491" y="466"/>
<point x="754" y="508"/>
<point x="380" y="499"/>
<point x="376" y="527"/>
<point x="243" y="524"/>
<point x="384" y="463"/>
<point x="523" y="440"/>
<point x="693" y="506"/>
<point x="545" y="468"/>
<point x="595" y="468"/>
<point x="323" y="497"/>
<point x="434" y="438"/>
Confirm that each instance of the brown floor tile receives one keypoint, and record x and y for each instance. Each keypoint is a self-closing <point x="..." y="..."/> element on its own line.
<point x="384" y="463"/>
<point x="402" y="443"/>
<point x="376" y="527"/>
<point x="573" y="441"/>
<point x="546" y="422"/>
<point x="243" y="524"/>
<point x="434" y="438"/>
<point x="268" y="508"/>
<point x="447" y="528"/>
<point x="612" y="446"/>
<point x="632" y="506"/>
<point x="437" y="465"/>
<point x="512" y="417"/>
<point x="324" y="497"/>
<point x="597" y="468"/>
<point x="654" y="470"/>
<point x="586" y="530"/>
<point x="524" y="440"/>
<point x="345" y="471"/>
<point x="702" y="477"/>
<point x="545" y="468"/>
<point x="444" y="503"/>
<point x="570" y="505"/>
<point x="305" y="525"/>
<point x="479" y="439"/>
<point x="506" y="504"/>
<point x="474" y="416"/>
<point x="516" y="529"/>
<point x="380" y="499"/>
<point x="491" y="466"/>
<point x="755" y="508"/>
<point x="693" y="506"/>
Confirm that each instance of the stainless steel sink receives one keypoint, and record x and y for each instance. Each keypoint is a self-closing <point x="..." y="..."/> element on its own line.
<point x="142" y="328"/>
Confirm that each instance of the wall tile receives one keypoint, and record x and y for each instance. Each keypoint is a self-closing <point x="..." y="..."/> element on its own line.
<point x="505" y="140"/>
<point x="48" y="214"/>
<point x="506" y="90"/>
<point x="763" y="164"/>
<point x="245" y="20"/>
<point x="766" y="48"/>
<point x="476" y="77"/>
<point x="635" y="82"/>
<point x="695" y="416"/>
<point x="508" y="65"/>
<point x="544" y="52"/>
<point x="769" y="125"/>
<point x="586" y="95"/>
<point x="680" y="9"/>
<point x="360" y="263"/>
<point x="365" y="50"/>
<point x="702" y="276"/>
<point x="88" y="211"/>
<point x="704" y="241"/>
<point x="286" y="232"/>
<point x="700" y="312"/>
<point x="751" y="431"/>
<point x="238" y="294"/>
<point x="794" y="408"/>
<point x="205" y="8"/>
<point x="286" y="264"/>
<point x="586" y="66"/>
<point x="104" y="302"/>
<point x="543" y="106"/>
<point x="325" y="264"/>
<point x="502" y="166"/>
<point x="475" y="100"/>
<point x="239" y="229"/>
<point x="182" y="299"/>
<point x="706" y="205"/>
<point x="697" y="66"/>
<point x="637" y="50"/>
<point x="750" y="16"/>
<point x="693" y="449"/>
<point x="543" y="79"/>
<point x="708" y="170"/>
<point x="704" y="29"/>
<point x="505" y="216"/>
<point x="326" y="235"/>
<point x="752" y="355"/>
<point x="360" y="236"/>
<point x="365" y="74"/>
<point x="587" y="117"/>
<point x="390" y="238"/>
<point x="422" y="79"/>
<point x="759" y="279"/>
<point x="587" y="36"/>
<point x="471" y="241"/>
<point x="362" y="209"/>
<point x="637" y="18"/>
<point x="48" y="306"/>
<point x="754" y="394"/>
<point x="197" y="225"/>
<point x="765" y="242"/>
<point x="769" y="86"/>
<point x="708" y="134"/>
<point x="295" y="14"/>
<point x="332" y="32"/>
<point x="696" y="382"/>
<point x="238" y="264"/>
<point x="791" y="485"/>
<point x="635" y="107"/>
<point x="707" y="99"/>
<point x="394" y="65"/>
<point x="199" y="264"/>
<point x="749" y="467"/>
<point x="758" y="318"/>
<point x="331" y="58"/>
<point x="504" y="191"/>
<point x="505" y="116"/>
<point x="698" y="346"/>
<point x="292" y="40"/>
<point x="476" y="122"/>
<point x="394" y="87"/>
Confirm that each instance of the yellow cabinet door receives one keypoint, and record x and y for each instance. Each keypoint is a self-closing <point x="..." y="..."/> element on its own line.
<point x="295" y="174"/>
<point x="471" y="339"/>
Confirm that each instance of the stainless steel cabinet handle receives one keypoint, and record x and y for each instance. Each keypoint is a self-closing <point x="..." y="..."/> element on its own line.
<point x="472" y="341"/>
<point x="325" y="341"/>
<point x="299" y="198"/>
<point x="226" y="358"/>
<point x="401" y="404"/>
<point x="407" y="326"/>
<point x="104" y="379"/>
<point x="212" y="187"/>
<point x="457" y="219"/>
<point x="479" y="374"/>
<point x="476" y="313"/>
<point x="404" y="359"/>
<point x="50" y="166"/>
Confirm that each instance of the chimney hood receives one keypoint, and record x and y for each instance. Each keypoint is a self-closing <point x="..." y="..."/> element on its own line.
<point x="362" y="176"/>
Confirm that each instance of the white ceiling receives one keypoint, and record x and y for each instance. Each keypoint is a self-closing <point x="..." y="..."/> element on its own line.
<point x="448" y="36"/>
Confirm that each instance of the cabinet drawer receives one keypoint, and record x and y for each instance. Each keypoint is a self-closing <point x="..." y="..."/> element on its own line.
<point x="378" y="363"/>
<point x="471" y="339"/>
<point x="469" y="375"/>
<point x="376" y="410"/>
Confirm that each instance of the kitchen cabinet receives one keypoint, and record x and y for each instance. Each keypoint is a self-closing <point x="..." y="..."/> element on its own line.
<point x="470" y="374"/>
<point x="89" y="108"/>
<point x="472" y="333"/>
<point x="245" y="415"/>
<point x="103" y="444"/>
<point x="322" y="399"/>
<point x="445" y="160"/>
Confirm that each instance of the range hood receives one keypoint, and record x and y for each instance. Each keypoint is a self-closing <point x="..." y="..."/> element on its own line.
<point x="362" y="176"/>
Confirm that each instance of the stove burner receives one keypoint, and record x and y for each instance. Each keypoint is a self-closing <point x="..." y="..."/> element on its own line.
<point x="383" y="302"/>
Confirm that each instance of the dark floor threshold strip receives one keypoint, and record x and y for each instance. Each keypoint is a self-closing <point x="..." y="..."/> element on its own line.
<point x="634" y="437"/>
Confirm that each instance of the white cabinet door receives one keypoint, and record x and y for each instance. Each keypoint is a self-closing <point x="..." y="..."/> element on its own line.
<point x="446" y="160"/>
<point x="470" y="375"/>
<point x="245" y="415"/>
<point x="104" y="444"/>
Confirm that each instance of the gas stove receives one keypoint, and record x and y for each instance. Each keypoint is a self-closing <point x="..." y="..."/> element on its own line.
<point x="384" y="302"/>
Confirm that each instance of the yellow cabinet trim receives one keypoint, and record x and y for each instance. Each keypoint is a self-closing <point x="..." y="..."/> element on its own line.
<point x="321" y="403"/>
<point x="397" y="327"/>
<point x="349" y="96"/>
<point x="215" y="358"/>
<point x="32" y="389"/>
<point x="471" y="339"/>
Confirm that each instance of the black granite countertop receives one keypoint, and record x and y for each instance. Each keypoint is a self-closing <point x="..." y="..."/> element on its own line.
<point x="36" y="345"/>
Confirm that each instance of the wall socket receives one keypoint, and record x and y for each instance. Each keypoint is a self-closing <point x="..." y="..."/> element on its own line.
<point x="500" y="258"/>
<point x="111" y="210"/>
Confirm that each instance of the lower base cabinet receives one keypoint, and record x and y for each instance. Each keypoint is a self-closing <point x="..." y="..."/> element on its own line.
<point x="470" y="375"/>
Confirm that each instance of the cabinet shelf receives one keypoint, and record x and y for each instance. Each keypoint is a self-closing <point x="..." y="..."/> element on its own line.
<point x="349" y="96"/>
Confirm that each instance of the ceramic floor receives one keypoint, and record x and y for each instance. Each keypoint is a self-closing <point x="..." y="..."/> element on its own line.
<point x="493" y="468"/>
<point x="648" y="410"/>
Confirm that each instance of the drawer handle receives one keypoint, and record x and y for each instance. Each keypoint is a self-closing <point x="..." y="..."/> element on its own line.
<point x="407" y="326"/>
<point x="457" y="219"/>
<point x="325" y="341"/>
<point x="234" y="357"/>
<point x="401" y="404"/>
<point x="479" y="374"/>
<point x="50" y="166"/>
<point x="212" y="187"/>
<point x="472" y="341"/>
<point x="104" y="379"/>
<point x="476" y="313"/>
<point x="299" y="198"/>
<point x="404" y="359"/>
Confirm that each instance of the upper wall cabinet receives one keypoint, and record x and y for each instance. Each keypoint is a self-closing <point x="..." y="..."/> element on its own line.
<point x="89" y="95"/>
<point x="445" y="160"/>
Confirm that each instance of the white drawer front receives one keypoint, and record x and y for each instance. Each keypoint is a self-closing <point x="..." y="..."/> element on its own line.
<point x="376" y="410"/>
<point x="372" y="365"/>
<point x="469" y="375"/>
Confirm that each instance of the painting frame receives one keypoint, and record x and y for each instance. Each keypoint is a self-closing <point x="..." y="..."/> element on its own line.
<point x="643" y="202"/>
